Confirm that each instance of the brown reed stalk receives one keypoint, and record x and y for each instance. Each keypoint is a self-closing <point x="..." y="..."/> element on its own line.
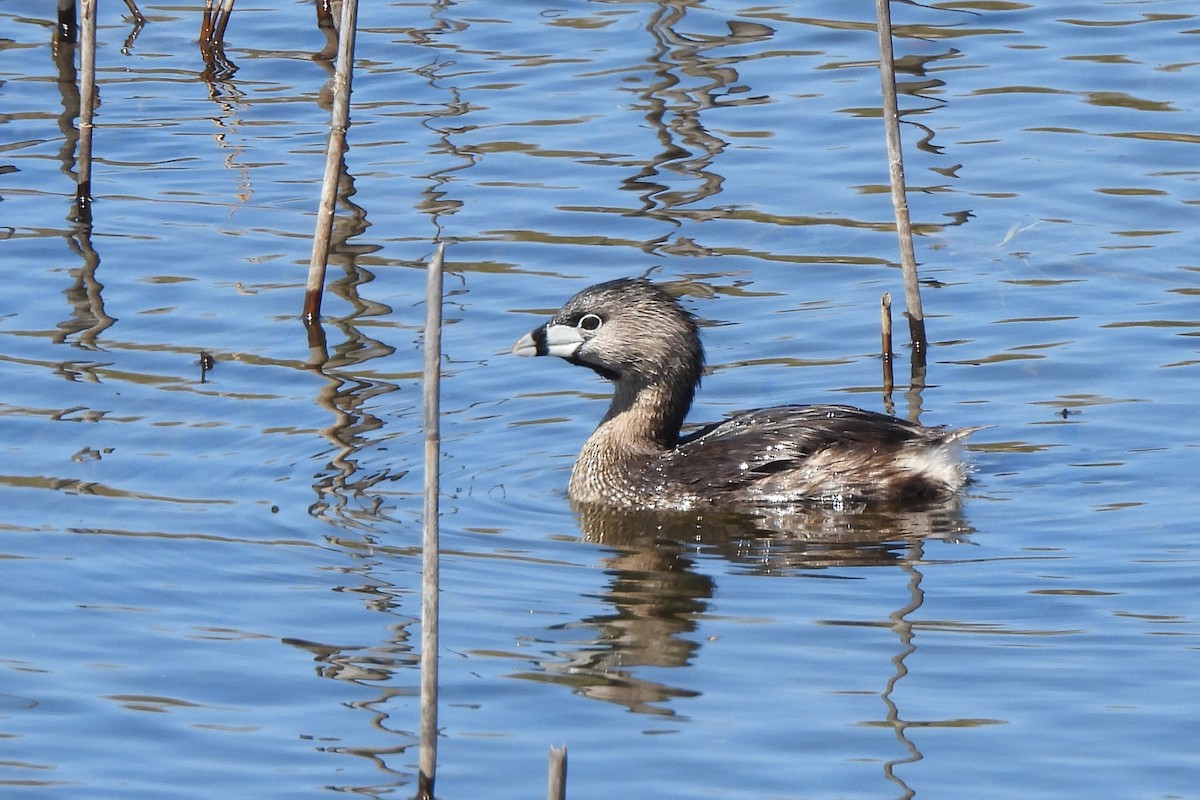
<point x="338" y="125"/>
<point x="226" y="10"/>
<point x="213" y="22"/>
<point x="891" y="125"/>
<point x="431" y="404"/>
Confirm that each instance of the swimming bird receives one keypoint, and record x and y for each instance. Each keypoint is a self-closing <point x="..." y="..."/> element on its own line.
<point x="638" y="336"/>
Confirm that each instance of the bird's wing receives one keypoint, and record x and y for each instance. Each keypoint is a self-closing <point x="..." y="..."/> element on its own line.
<point x="749" y="448"/>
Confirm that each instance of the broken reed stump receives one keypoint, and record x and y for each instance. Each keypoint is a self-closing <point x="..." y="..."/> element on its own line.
<point x="338" y="125"/>
<point x="431" y="405"/>
<point x="885" y="340"/>
<point x="556" y="783"/>
<point x="213" y="22"/>
<point x="891" y="125"/>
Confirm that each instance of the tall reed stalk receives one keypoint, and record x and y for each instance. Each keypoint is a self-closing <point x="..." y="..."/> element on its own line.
<point x="891" y="126"/>
<point x="431" y="405"/>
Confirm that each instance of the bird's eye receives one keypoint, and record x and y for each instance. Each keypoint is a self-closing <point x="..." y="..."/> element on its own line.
<point x="590" y="322"/>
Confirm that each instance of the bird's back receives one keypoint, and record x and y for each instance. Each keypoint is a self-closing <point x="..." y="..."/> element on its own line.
<point x="790" y="454"/>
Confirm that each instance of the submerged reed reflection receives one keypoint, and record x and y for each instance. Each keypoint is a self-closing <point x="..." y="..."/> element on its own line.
<point x="903" y="629"/>
<point x="687" y="81"/>
<point x="369" y="667"/>
<point x="85" y="295"/>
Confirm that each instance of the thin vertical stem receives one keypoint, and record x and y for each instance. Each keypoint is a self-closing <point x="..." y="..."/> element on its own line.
<point x="87" y="108"/>
<point x="891" y="125"/>
<point x="225" y="12"/>
<point x="885" y="341"/>
<point x="339" y="123"/>
<point x="429" y="561"/>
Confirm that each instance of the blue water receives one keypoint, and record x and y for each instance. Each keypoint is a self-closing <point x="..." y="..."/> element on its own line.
<point x="210" y="581"/>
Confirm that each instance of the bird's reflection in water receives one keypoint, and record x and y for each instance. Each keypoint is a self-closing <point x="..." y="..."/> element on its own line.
<point x="657" y="594"/>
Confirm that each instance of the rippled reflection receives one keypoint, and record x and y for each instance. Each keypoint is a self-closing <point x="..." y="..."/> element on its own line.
<point x="657" y="593"/>
<point x="687" y="80"/>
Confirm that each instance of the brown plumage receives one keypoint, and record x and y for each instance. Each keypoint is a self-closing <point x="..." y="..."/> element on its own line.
<point x="639" y="337"/>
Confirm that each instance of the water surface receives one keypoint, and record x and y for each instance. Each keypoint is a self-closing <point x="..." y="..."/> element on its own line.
<point x="210" y="580"/>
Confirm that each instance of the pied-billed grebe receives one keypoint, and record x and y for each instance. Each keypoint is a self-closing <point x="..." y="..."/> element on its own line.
<point x="639" y="337"/>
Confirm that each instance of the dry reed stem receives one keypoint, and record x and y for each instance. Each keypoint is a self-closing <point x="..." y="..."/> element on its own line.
<point x="338" y="125"/>
<point x="891" y="125"/>
<point x="431" y="405"/>
<point x="87" y="107"/>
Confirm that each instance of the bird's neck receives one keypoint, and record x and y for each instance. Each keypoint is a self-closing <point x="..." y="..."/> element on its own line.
<point x="641" y="426"/>
<point x="646" y="416"/>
